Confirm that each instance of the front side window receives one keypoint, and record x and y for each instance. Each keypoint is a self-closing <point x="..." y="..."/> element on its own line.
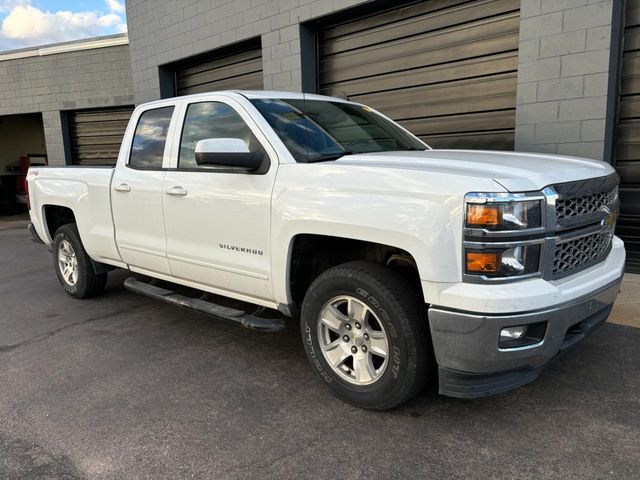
<point x="207" y="120"/>
<point x="315" y="130"/>
<point x="150" y="138"/>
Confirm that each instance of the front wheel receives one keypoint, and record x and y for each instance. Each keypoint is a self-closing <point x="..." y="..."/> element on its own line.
<point x="365" y="334"/>
<point x="73" y="265"/>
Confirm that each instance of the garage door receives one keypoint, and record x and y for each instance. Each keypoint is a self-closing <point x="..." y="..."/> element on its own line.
<point x="628" y="139"/>
<point x="239" y="70"/>
<point x="445" y="69"/>
<point x="95" y="135"/>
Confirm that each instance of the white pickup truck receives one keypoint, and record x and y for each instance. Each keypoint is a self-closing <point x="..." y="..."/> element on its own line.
<point x="469" y="270"/>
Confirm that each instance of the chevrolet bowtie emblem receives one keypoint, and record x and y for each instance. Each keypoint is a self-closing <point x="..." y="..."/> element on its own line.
<point x="610" y="220"/>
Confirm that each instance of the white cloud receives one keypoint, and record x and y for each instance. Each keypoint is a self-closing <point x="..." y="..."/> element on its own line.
<point x="8" y="5"/>
<point x="116" y="6"/>
<point x="26" y="25"/>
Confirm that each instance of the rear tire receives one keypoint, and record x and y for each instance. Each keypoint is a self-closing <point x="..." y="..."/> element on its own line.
<point x="363" y="317"/>
<point x="73" y="266"/>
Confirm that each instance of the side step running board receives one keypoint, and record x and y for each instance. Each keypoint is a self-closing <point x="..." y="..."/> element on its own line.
<point x="230" y="315"/>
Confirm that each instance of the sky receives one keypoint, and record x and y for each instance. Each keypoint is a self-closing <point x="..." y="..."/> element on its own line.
<point x="29" y="23"/>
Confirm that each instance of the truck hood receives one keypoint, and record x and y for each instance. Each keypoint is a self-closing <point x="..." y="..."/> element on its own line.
<point x="515" y="171"/>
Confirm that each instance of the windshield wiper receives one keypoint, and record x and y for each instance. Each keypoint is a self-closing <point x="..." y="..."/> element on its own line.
<point x="329" y="156"/>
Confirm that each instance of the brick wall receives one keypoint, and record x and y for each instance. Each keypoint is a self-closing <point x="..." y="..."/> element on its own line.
<point x="72" y="80"/>
<point x="563" y="76"/>
<point x="164" y="31"/>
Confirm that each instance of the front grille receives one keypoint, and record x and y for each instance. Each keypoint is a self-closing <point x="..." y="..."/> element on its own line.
<point x="580" y="253"/>
<point x="588" y="204"/>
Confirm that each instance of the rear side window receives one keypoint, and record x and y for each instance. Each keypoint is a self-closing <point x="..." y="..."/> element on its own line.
<point x="150" y="138"/>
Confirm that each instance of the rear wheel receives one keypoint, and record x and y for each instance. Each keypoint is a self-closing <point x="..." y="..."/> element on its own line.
<point x="73" y="266"/>
<point x="365" y="334"/>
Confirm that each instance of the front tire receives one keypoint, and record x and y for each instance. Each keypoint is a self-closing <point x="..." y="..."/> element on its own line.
<point x="365" y="333"/>
<point x="73" y="266"/>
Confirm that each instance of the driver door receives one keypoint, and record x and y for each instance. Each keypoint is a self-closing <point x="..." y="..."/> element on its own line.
<point x="218" y="221"/>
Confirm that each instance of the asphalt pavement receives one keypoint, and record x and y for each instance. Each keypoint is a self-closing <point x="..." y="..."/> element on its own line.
<point x="121" y="386"/>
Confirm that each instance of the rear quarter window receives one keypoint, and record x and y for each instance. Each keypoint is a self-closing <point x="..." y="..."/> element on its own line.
<point x="150" y="138"/>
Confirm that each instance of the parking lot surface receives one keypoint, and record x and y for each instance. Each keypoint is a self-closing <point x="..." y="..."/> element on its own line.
<point x="121" y="386"/>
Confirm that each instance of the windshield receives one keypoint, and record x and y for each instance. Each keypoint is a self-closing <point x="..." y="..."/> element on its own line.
<point x="316" y="130"/>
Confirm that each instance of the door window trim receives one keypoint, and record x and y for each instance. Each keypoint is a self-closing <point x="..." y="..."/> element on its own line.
<point x="261" y="171"/>
<point x="262" y="139"/>
<point x="168" y="140"/>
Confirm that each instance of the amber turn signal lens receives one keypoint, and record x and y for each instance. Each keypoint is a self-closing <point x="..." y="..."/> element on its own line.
<point x="482" y="262"/>
<point x="482" y="215"/>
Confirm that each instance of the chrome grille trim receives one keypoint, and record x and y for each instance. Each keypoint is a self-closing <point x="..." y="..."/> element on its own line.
<point x="577" y="254"/>
<point x="585" y="204"/>
<point x="581" y="212"/>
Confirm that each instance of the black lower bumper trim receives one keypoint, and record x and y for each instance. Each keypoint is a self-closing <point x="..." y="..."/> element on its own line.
<point x="470" y="385"/>
<point x="453" y="383"/>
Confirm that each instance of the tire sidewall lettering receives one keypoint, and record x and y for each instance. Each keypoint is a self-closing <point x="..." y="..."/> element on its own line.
<point x="313" y="355"/>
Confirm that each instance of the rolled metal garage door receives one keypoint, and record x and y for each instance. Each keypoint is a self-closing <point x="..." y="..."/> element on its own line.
<point x="445" y="69"/>
<point x="239" y="70"/>
<point x="95" y="135"/>
<point x="628" y="138"/>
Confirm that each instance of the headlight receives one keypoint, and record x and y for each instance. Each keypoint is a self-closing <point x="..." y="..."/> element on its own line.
<point x="503" y="262"/>
<point x="494" y="214"/>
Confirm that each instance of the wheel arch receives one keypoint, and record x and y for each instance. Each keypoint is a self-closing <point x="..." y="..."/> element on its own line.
<point x="55" y="216"/>
<point x="310" y="254"/>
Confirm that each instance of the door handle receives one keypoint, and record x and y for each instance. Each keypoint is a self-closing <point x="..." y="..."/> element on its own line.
<point x="123" y="187"/>
<point x="176" y="191"/>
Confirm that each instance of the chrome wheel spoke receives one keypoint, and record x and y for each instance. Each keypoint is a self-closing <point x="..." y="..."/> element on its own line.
<point x="363" y="368"/>
<point x="378" y="344"/>
<point x="333" y="318"/>
<point x="335" y="353"/>
<point x="357" y="310"/>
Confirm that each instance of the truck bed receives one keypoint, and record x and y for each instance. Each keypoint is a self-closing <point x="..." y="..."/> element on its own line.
<point x="86" y="192"/>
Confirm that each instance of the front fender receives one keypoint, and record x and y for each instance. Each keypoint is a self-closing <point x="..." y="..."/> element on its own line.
<point x="422" y="228"/>
<point x="418" y="211"/>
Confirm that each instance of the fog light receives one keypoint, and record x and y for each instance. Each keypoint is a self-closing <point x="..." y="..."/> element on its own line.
<point x="513" y="333"/>
<point x="522" y="335"/>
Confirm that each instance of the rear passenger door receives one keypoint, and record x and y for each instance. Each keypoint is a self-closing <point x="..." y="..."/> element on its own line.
<point x="218" y="221"/>
<point x="136" y="193"/>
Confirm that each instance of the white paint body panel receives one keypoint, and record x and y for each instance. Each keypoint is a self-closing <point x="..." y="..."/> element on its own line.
<point x="235" y="211"/>
<point x="409" y="200"/>
<point x="139" y="223"/>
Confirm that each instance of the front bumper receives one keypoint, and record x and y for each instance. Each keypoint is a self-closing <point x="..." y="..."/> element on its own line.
<point x="471" y="365"/>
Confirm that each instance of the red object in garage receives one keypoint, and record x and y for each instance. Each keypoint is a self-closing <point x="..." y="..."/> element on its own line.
<point x="27" y="161"/>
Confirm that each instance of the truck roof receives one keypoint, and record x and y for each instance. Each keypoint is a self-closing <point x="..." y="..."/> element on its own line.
<point x="258" y="94"/>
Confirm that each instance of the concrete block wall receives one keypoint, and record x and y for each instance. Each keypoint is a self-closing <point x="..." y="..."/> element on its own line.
<point x="563" y="76"/>
<point x="164" y="31"/>
<point x="64" y="81"/>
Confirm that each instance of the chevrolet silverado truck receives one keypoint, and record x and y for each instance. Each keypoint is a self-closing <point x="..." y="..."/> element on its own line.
<point x="405" y="265"/>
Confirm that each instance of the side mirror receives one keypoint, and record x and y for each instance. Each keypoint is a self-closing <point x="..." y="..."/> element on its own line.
<point x="227" y="152"/>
